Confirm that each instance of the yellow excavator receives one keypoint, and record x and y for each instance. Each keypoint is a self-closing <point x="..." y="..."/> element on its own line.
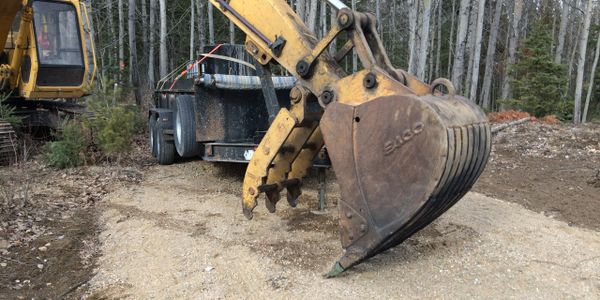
<point x="403" y="151"/>
<point x="48" y="58"/>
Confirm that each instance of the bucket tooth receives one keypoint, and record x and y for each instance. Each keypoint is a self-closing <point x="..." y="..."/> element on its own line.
<point x="303" y="162"/>
<point x="267" y="151"/>
<point x="293" y="194"/>
<point x="272" y="198"/>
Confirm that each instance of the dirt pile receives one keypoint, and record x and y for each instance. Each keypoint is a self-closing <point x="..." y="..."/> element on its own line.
<point x="548" y="168"/>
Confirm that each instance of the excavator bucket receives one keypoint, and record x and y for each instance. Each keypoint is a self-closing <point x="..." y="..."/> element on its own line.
<point x="401" y="161"/>
<point x="403" y="153"/>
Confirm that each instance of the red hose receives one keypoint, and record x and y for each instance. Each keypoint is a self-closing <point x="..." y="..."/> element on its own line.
<point x="195" y="64"/>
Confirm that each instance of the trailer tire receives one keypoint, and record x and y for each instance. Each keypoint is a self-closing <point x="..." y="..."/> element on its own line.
<point x="185" y="127"/>
<point x="152" y="134"/>
<point x="165" y="150"/>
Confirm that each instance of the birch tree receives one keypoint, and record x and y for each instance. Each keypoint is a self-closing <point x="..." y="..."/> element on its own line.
<point x="486" y="89"/>
<point x="413" y="12"/>
<point x="301" y="9"/>
<point x="564" y="21"/>
<point x="192" y="28"/>
<point x="512" y="47"/>
<point x="354" y="55"/>
<point x="461" y="36"/>
<point x="163" y="59"/>
<point x="312" y="16"/>
<point x="144" y="24"/>
<point x="592" y="78"/>
<point x="231" y="33"/>
<point x="581" y="64"/>
<point x="200" y="5"/>
<point x="151" y="56"/>
<point x="423" y="48"/>
<point x="111" y="25"/>
<point x="211" y="25"/>
<point x="133" y="64"/>
<point x="121" y="39"/>
<point x="451" y="39"/>
<point x="477" y="55"/>
<point x="470" y="47"/>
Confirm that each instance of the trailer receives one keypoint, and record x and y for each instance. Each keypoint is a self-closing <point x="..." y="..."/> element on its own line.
<point x="219" y="109"/>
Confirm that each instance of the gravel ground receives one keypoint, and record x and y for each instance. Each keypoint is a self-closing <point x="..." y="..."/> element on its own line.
<point x="181" y="234"/>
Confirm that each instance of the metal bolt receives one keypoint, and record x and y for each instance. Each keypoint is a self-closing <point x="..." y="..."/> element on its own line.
<point x="303" y="68"/>
<point x="370" y="81"/>
<point x="252" y="48"/>
<point x="251" y="191"/>
<point x="295" y="95"/>
<point x="349" y="215"/>
<point x="345" y="19"/>
<point x="327" y="97"/>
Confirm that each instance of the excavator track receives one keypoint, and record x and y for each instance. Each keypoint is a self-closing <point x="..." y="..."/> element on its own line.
<point x="8" y="144"/>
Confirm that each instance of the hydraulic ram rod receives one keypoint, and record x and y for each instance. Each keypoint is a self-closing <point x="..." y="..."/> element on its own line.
<point x="339" y="5"/>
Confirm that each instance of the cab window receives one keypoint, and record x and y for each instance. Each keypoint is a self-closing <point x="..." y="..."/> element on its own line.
<point x="57" y="34"/>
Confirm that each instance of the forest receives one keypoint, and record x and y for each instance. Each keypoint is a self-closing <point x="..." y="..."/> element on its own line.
<point x="539" y="56"/>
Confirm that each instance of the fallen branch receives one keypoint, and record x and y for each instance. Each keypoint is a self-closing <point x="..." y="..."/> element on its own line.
<point x="503" y="126"/>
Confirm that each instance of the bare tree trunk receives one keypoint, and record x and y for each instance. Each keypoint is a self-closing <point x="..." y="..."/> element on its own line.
<point x="470" y="48"/>
<point x="564" y="22"/>
<point x="438" y="60"/>
<point x="323" y="18"/>
<point x="200" y="5"/>
<point x="163" y="59"/>
<point x="477" y="55"/>
<point x="378" y="14"/>
<point x="144" y="25"/>
<point x="458" y="68"/>
<point x="451" y="39"/>
<point x="581" y="64"/>
<point x="486" y="90"/>
<point x="211" y="25"/>
<point x="192" y="28"/>
<point x="424" y="47"/>
<point x="301" y="9"/>
<point x="133" y="64"/>
<point x="592" y="78"/>
<point x="572" y="57"/>
<point x="354" y="55"/>
<point x="231" y="33"/>
<point x="413" y="13"/>
<point x="121" y="40"/>
<point x="151" y="58"/>
<point x="333" y="21"/>
<point x="312" y="16"/>
<point x="111" y="25"/>
<point x="512" y="48"/>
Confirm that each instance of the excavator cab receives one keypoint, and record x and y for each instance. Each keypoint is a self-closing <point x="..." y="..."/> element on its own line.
<point x="51" y="52"/>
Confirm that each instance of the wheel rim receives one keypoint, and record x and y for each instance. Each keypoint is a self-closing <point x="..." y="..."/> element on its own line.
<point x="178" y="129"/>
<point x="157" y="148"/>
<point x="152" y="138"/>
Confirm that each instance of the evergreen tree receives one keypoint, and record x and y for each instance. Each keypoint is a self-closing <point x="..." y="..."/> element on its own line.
<point x="539" y="83"/>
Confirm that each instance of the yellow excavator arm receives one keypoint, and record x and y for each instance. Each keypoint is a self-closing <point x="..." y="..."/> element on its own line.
<point x="8" y="12"/>
<point x="403" y="153"/>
